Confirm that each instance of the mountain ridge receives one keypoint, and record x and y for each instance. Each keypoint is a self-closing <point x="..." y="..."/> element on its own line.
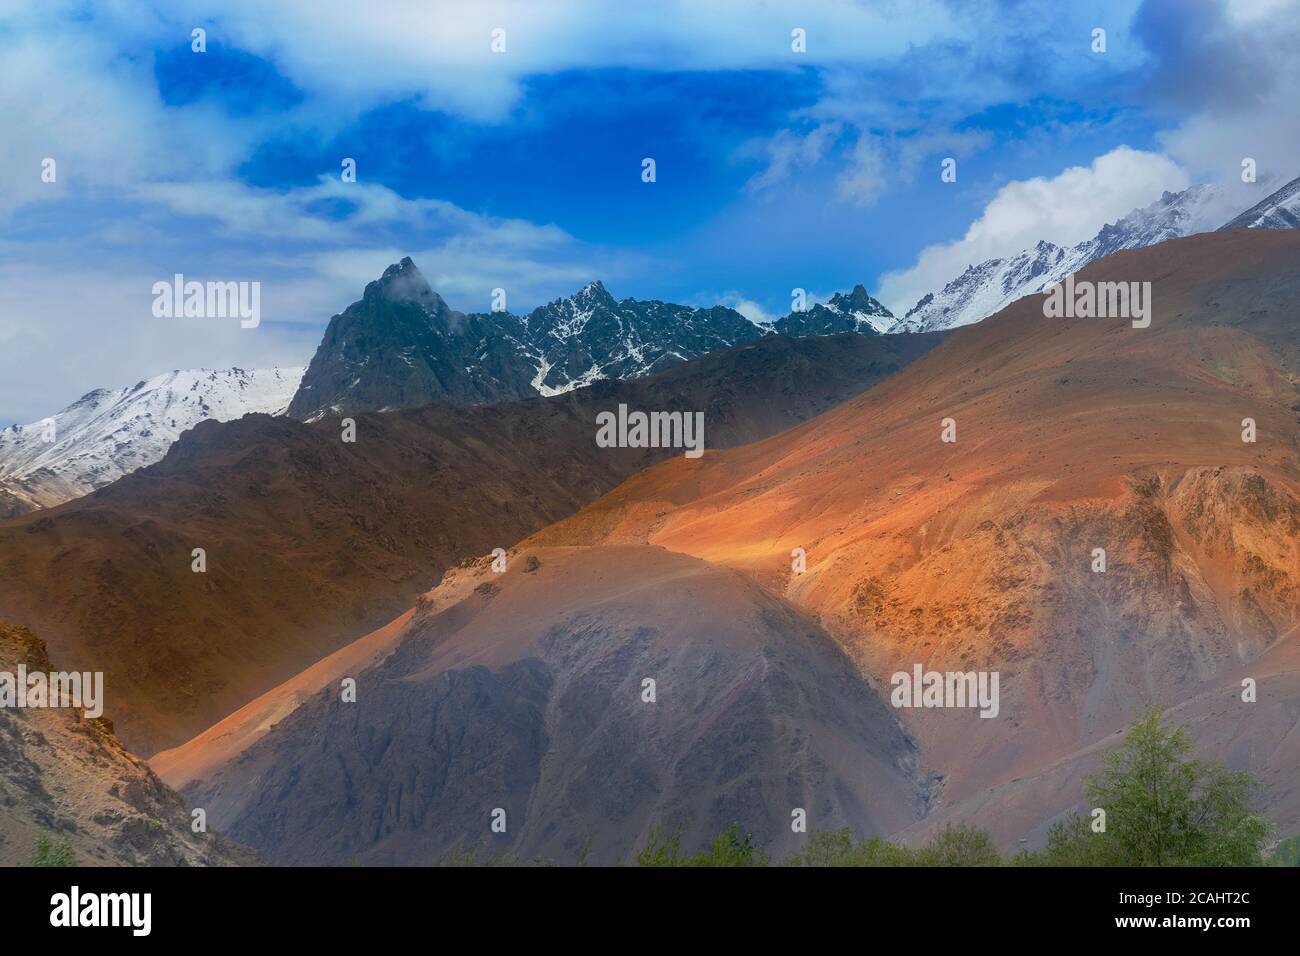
<point x="1281" y="210"/>
<point x="108" y="433"/>
<point x="400" y="345"/>
<point x="506" y="695"/>
<point x="971" y="556"/>
<point x="66" y="778"/>
<point x="985" y="288"/>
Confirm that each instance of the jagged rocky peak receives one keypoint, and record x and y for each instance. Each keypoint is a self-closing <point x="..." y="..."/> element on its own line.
<point x="589" y="298"/>
<point x="380" y="354"/>
<point x="859" y="300"/>
<point x="594" y="291"/>
<point x="858" y="311"/>
<point x="403" y="282"/>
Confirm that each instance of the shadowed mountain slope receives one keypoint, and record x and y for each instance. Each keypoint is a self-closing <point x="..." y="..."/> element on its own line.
<point x="526" y="691"/>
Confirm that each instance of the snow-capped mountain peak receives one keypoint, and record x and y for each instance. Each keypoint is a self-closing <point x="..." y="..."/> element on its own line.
<point x="108" y="433"/>
<point x="864" y="309"/>
<point x="591" y="336"/>
<point x="855" y="312"/>
<point x="397" y="350"/>
<point x="594" y="293"/>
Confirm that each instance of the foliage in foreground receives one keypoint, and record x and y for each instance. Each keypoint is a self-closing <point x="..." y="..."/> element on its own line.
<point x="730" y="848"/>
<point x="48" y="853"/>
<point x="1162" y="808"/>
<point x="952" y="846"/>
<point x="1286" y="853"/>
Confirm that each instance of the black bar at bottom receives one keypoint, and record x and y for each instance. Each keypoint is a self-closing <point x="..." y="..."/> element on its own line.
<point x="546" y="906"/>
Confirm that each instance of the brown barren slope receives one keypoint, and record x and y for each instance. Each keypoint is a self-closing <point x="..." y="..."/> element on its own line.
<point x="1072" y="435"/>
<point x="311" y="542"/>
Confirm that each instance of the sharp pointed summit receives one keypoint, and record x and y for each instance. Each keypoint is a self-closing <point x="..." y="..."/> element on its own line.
<point x="402" y="345"/>
<point x="595" y="289"/>
<point x="403" y="282"/>
<point x="855" y="312"/>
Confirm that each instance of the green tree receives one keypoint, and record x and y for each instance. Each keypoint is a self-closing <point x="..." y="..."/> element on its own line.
<point x="1286" y="853"/>
<point x="960" y="845"/>
<point x="1165" y="808"/>
<point x="662" y="849"/>
<point x="1070" y="842"/>
<point x="843" y="848"/>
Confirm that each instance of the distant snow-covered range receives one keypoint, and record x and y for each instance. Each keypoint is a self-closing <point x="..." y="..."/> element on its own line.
<point x="994" y="284"/>
<point x="109" y="433"/>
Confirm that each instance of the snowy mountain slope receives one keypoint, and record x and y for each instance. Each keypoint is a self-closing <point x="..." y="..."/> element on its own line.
<point x="401" y="345"/>
<point x="1281" y="210"/>
<point x="986" y="288"/>
<point x="591" y="336"/>
<point x="108" y="433"/>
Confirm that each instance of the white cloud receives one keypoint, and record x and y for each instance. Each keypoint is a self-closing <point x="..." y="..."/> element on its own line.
<point x="879" y="163"/>
<point x="151" y="188"/>
<point x="347" y="56"/>
<point x="440" y="49"/>
<point x="1066" y="209"/>
<point x="75" y="310"/>
<point x="865" y="177"/>
<point x="64" y="97"/>
<point x="747" y="307"/>
<point x="1254" y="11"/>
<point x="875" y="163"/>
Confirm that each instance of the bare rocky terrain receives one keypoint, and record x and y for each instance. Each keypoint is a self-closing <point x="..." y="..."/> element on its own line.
<point x="312" y="542"/>
<point x="65" y="777"/>
<point x="1072" y="435"/>
<point x="524" y="690"/>
<point x="519" y="690"/>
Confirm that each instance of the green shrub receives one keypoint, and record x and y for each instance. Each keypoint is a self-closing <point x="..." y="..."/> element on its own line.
<point x="730" y="848"/>
<point x="48" y="853"/>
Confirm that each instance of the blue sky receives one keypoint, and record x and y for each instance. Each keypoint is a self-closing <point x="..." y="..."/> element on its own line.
<point x="522" y="169"/>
